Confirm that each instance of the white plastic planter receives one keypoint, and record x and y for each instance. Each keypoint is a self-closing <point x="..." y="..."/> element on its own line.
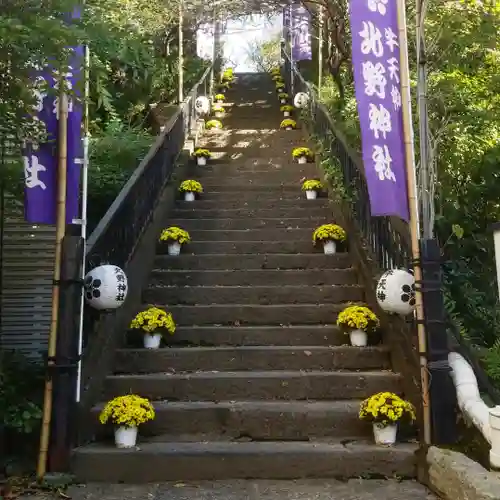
<point x="302" y="159"/>
<point x="311" y="195"/>
<point x="152" y="341"/>
<point x="125" y="437"/>
<point x="174" y="248"/>
<point x="329" y="247"/>
<point x="286" y="113"/>
<point x="358" y="338"/>
<point x="220" y="101"/>
<point x="288" y="128"/>
<point x="219" y="114"/>
<point x="283" y="101"/>
<point x="201" y="160"/>
<point x="189" y="196"/>
<point x="385" y="435"/>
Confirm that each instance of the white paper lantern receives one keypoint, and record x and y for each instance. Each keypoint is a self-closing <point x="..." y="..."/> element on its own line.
<point x="301" y="100"/>
<point x="396" y="292"/>
<point x="105" y="287"/>
<point x="202" y="105"/>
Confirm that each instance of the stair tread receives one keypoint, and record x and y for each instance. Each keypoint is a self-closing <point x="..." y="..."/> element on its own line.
<point x="203" y="349"/>
<point x="206" y="447"/>
<point x="258" y="374"/>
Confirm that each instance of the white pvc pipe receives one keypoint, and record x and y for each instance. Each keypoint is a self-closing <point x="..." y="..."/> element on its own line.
<point x="486" y="419"/>
<point x="83" y="224"/>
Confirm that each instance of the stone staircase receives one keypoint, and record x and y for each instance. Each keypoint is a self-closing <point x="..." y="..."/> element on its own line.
<point x="257" y="382"/>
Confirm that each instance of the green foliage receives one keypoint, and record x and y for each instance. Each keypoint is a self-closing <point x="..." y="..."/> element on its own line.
<point x="21" y="389"/>
<point x="114" y="155"/>
<point x="265" y="55"/>
<point x="463" y="43"/>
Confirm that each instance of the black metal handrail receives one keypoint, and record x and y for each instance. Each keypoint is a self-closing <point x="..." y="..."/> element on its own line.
<point x="387" y="237"/>
<point x="116" y="237"/>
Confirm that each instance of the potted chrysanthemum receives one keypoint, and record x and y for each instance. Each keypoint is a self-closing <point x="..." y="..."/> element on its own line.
<point x="223" y="86"/>
<point x="328" y="235"/>
<point x="302" y="154"/>
<point x="358" y="322"/>
<point x="174" y="237"/>
<point x="288" y="124"/>
<point x="280" y="87"/>
<point x="213" y="125"/>
<point x="126" y="413"/>
<point x="220" y="98"/>
<point x="201" y="155"/>
<point x="283" y="97"/>
<point x="154" y="323"/>
<point x="312" y="187"/>
<point x="286" y="109"/>
<point x="385" y="410"/>
<point x="218" y="111"/>
<point x="190" y="188"/>
<point x="277" y="77"/>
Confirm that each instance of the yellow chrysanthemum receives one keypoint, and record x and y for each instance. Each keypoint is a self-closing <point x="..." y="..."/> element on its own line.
<point x="191" y="186"/>
<point x="302" y="151"/>
<point x="153" y="319"/>
<point x="329" y="232"/>
<point x="174" y="233"/>
<point x="386" y="408"/>
<point x="288" y="123"/>
<point x="358" y="318"/>
<point x="312" y="185"/>
<point x="128" y="411"/>
<point x="202" y="153"/>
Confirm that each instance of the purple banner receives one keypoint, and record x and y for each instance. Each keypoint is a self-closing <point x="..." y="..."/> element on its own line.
<point x="41" y="160"/>
<point x="375" y="59"/>
<point x="301" y="33"/>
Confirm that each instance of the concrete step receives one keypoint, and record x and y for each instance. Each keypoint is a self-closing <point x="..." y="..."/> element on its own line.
<point x="200" y="248"/>
<point x="254" y="261"/>
<point x="292" y="175"/>
<point x="257" y="335"/>
<point x="254" y="314"/>
<point x="242" y="385"/>
<point x="164" y="461"/>
<point x="266" y="295"/>
<point x="221" y="166"/>
<point x="244" y="358"/>
<point x="253" y="235"/>
<point x="253" y="277"/>
<point x="256" y="420"/>
<point x="311" y="212"/>
<point x="235" y="184"/>
<point x="255" y="222"/>
<point x="250" y="201"/>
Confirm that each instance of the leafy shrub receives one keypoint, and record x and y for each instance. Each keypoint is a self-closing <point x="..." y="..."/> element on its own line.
<point x="114" y="155"/>
<point x="21" y="389"/>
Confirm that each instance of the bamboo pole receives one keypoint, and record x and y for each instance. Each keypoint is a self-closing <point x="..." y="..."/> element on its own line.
<point x="181" y="52"/>
<point x="414" y="216"/>
<point x="60" y="232"/>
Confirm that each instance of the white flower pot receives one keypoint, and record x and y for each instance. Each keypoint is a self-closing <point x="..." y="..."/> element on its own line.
<point x="189" y="196"/>
<point x="311" y="195"/>
<point x="385" y="435"/>
<point x="283" y="101"/>
<point x="286" y="113"/>
<point x="201" y="160"/>
<point x="219" y="114"/>
<point x="220" y="101"/>
<point x="288" y="128"/>
<point x="329" y="247"/>
<point x="152" y="341"/>
<point x="174" y="248"/>
<point x="358" y="338"/>
<point x="125" y="437"/>
<point x="302" y="159"/>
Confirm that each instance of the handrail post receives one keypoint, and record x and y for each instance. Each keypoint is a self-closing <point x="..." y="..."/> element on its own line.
<point x="443" y="397"/>
<point x="494" y="421"/>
